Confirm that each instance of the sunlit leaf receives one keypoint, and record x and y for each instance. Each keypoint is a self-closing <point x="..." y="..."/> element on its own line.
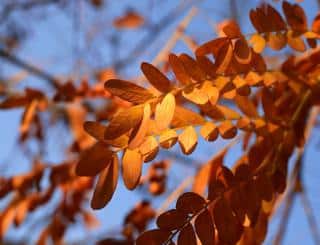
<point x="128" y="91"/>
<point x="94" y="160"/>
<point x="123" y="121"/>
<point x="188" y="140"/>
<point x="130" y="20"/>
<point x="142" y="130"/>
<point x="156" y="77"/>
<point x="106" y="185"/>
<point x="131" y="168"/>
<point x="258" y="43"/>
<point x="165" y="111"/>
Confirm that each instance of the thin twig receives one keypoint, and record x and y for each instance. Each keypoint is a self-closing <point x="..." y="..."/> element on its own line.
<point x="175" y="37"/>
<point x="153" y="34"/>
<point x="52" y="81"/>
<point x="310" y="217"/>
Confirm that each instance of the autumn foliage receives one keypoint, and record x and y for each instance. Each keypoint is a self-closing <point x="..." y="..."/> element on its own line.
<point x="226" y="90"/>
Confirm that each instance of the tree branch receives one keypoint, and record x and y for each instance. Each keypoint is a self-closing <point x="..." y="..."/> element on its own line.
<point x="52" y="81"/>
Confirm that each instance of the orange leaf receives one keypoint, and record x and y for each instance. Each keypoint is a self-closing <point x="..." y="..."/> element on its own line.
<point x="196" y="96"/>
<point x="242" y="52"/>
<point x="242" y="86"/>
<point x="207" y="171"/>
<point x="296" y="43"/>
<point x="6" y="219"/>
<point x="211" y="91"/>
<point x="156" y="77"/>
<point x="130" y="20"/>
<point x="149" y="148"/>
<point x="316" y="24"/>
<point x="21" y="211"/>
<point x="212" y="47"/>
<point x="142" y="129"/>
<point x="128" y="91"/>
<point x="165" y="111"/>
<point x="123" y="121"/>
<point x="246" y="106"/>
<point x="277" y="41"/>
<point x="28" y="116"/>
<point x="13" y="102"/>
<point x="168" y="138"/>
<point x="188" y="140"/>
<point x="106" y="185"/>
<point x="185" y="117"/>
<point x="209" y="131"/>
<point x="224" y="58"/>
<point x="192" y="68"/>
<point x="227" y="130"/>
<point x="131" y="168"/>
<point x="179" y="70"/>
<point x="93" y="160"/>
<point x="258" y="43"/>
<point x="95" y="129"/>
<point x="231" y="29"/>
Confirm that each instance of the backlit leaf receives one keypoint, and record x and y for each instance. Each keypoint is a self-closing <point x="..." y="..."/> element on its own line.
<point x="188" y="140"/>
<point x="168" y="138"/>
<point x="196" y="96"/>
<point x="142" y="129"/>
<point x="277" y="41"/>
<point x="231" y="29"/>
<point x="149" y="148"/>
<point x="209" y="131"/>
<point x="246" y="106"/>
<point x="212" y="47"/>
<point x="106" y="185"/>
<point x="179" y="70"/>
<point x="93" y="160"/>
<point x="242" y="52"/>
<point x="130" y="20"/>
<point x="95" y="129"/>
<point x="128" y="91"/>
<point x="131" y="168"/>
<point x="296" y="43"/>
<point x="156" y="77"/>
<point x="258" y="43"/>
<point x="192" y="68"/>
<point x="165" y="111"/>
<point x="123" y="121"/>
<point x="227" y="130"/>
<point x="185" y="117"/>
